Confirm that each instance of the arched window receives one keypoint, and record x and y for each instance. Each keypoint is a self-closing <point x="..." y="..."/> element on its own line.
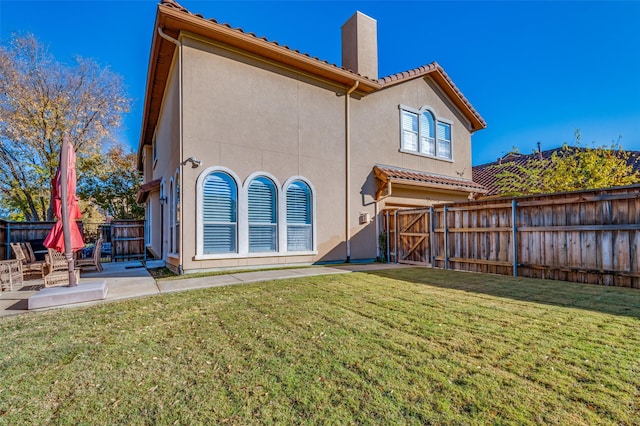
<point x="299" y="217"/>
<point x="219" y="214"/>
<point x="263" y="218"/>
<point x="427" y="133"/>
<point x="176" y="202"/>
<point x="424" y="133"/>
<point x="172" y="221"/>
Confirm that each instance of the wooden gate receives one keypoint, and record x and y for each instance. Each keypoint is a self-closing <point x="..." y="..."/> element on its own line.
<point x="412" y="239"/>
<point x="127" y="240"/>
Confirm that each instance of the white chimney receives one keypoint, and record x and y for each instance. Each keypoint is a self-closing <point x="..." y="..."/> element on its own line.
<point x="360" y="45"/>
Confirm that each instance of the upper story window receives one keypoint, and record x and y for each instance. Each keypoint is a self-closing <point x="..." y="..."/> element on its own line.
<point x="424" y="133"/>
<point x="154" y="151"/>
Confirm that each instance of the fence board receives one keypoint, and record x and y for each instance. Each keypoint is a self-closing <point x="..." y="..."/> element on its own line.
<point x="127" y="240"/>
<point x="126" y="237"/>
<point x="586" y="236"/>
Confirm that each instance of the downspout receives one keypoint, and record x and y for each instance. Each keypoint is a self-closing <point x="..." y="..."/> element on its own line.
<point x="180" y="162"/>
<point x="348" y="169"/>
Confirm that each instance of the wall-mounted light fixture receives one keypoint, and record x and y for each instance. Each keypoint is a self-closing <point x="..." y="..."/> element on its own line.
<point x="163" y="200"/>
<point x="195" y="163"/>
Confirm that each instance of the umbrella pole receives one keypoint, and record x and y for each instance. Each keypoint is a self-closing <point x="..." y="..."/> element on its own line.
<point x="64" y="206"/>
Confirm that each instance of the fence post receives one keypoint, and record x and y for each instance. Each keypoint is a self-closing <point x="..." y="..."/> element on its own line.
<point x="432" y="257"/>
<point x="395" y="236"/>
<point x="514" y="238"/>
<point x="8" y="255"/>
<point x="446" y="239"/>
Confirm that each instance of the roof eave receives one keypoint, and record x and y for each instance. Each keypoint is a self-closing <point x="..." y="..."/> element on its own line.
<point x="146" y="133"/>
<point x="173" y="21"/>
<point x="437" y="73"/>
<point x="447" y="187"/>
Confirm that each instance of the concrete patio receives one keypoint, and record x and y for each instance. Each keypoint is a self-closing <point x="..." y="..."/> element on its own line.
<point x="126" y="280"/>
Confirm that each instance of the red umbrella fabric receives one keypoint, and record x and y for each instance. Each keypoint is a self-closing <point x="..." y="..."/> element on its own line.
<point x="55" y="239"/>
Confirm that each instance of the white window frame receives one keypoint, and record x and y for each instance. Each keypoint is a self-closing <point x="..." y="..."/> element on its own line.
<point x="437" y="121"/>
<point x="176" y="212"/>
<point x="240" y="212"/>
<point x="154" y="150"/>
<point x="171" y="204"/>
<point x="243" y="217"/>
<point x="278" y="194"/>
<point x="283" y="209"/>
<point x="148" y="223"/>
<point x="164" y="224"/>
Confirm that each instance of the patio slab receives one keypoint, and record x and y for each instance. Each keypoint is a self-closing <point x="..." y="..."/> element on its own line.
<point x="57" y="296"/>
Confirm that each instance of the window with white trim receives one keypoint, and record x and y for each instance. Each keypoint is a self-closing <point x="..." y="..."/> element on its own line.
<point x="154" y="149"/>
<point x="219" y="214"/>
<point x="171" y="217"/>
<point x="263" y="217"/>
<point x="299" y="217"/>
<point x="147" y="223"/>
<point x="423" y="133"/>
<point x="444" y="140"/>
<point x="176" y="202"/>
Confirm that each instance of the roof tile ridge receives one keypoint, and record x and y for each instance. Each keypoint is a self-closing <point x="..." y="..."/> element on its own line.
<point x="437" y="175"/>
<point x="175" y="5"/>
<point x="423" y="69"/>
<point x="458" y="92"/>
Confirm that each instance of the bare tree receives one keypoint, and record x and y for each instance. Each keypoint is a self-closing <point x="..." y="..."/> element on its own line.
<point x="40" y="100"/>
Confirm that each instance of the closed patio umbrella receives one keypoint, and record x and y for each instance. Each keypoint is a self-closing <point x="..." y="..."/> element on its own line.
<point x="65" y="236"/>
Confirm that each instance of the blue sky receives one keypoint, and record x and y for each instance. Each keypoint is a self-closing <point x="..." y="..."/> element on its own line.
<point x="535" y="71"/>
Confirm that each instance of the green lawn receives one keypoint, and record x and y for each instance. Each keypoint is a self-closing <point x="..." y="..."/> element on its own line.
<point x="407" y="346"/>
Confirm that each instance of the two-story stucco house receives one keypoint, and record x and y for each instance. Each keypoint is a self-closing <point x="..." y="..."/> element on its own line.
<point x="255" y="154"/>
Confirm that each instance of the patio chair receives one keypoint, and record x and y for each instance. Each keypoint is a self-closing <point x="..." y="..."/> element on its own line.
<point x="23" y="253"/>
<point x="94" y="261"/>
<point x="58" y="269"/>
<point x="10" y="273"/>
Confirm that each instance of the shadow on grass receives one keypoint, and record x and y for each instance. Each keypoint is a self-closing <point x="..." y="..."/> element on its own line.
<point x="609" y="300"/>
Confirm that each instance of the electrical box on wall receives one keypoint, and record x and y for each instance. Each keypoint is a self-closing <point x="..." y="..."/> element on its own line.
<point x="364" y="218"/>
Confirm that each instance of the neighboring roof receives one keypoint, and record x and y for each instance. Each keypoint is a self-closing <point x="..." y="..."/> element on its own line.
<point x="172" y="18"/>
<point x="412" y="177"/>
<point x="486" y="174"/>
<point x="147" y="188"/>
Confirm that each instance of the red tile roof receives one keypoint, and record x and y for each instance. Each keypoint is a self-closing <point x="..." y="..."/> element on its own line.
<point x="439" y="74"/>
<point x="173" y="4"/>
<point x="145" y="189"/>
<point x="173" y="18"/>
<point x="486" y="174"/>
<point x="386" y="173"/>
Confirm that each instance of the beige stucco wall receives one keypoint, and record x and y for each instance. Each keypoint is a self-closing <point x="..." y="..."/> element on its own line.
<point x="376" y="138"/>
<point x="167" y="136"/>
<point x="249" y="116"/>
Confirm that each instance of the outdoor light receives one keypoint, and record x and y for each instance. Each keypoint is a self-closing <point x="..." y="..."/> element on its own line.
<point x="195" y="163"/>
<point x="163" y="200"/>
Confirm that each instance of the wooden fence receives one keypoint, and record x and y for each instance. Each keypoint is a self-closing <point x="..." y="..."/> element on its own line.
<point x="127" y="240"/>
<point x="123" y="239"/>
<point x="586" y="236"/>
